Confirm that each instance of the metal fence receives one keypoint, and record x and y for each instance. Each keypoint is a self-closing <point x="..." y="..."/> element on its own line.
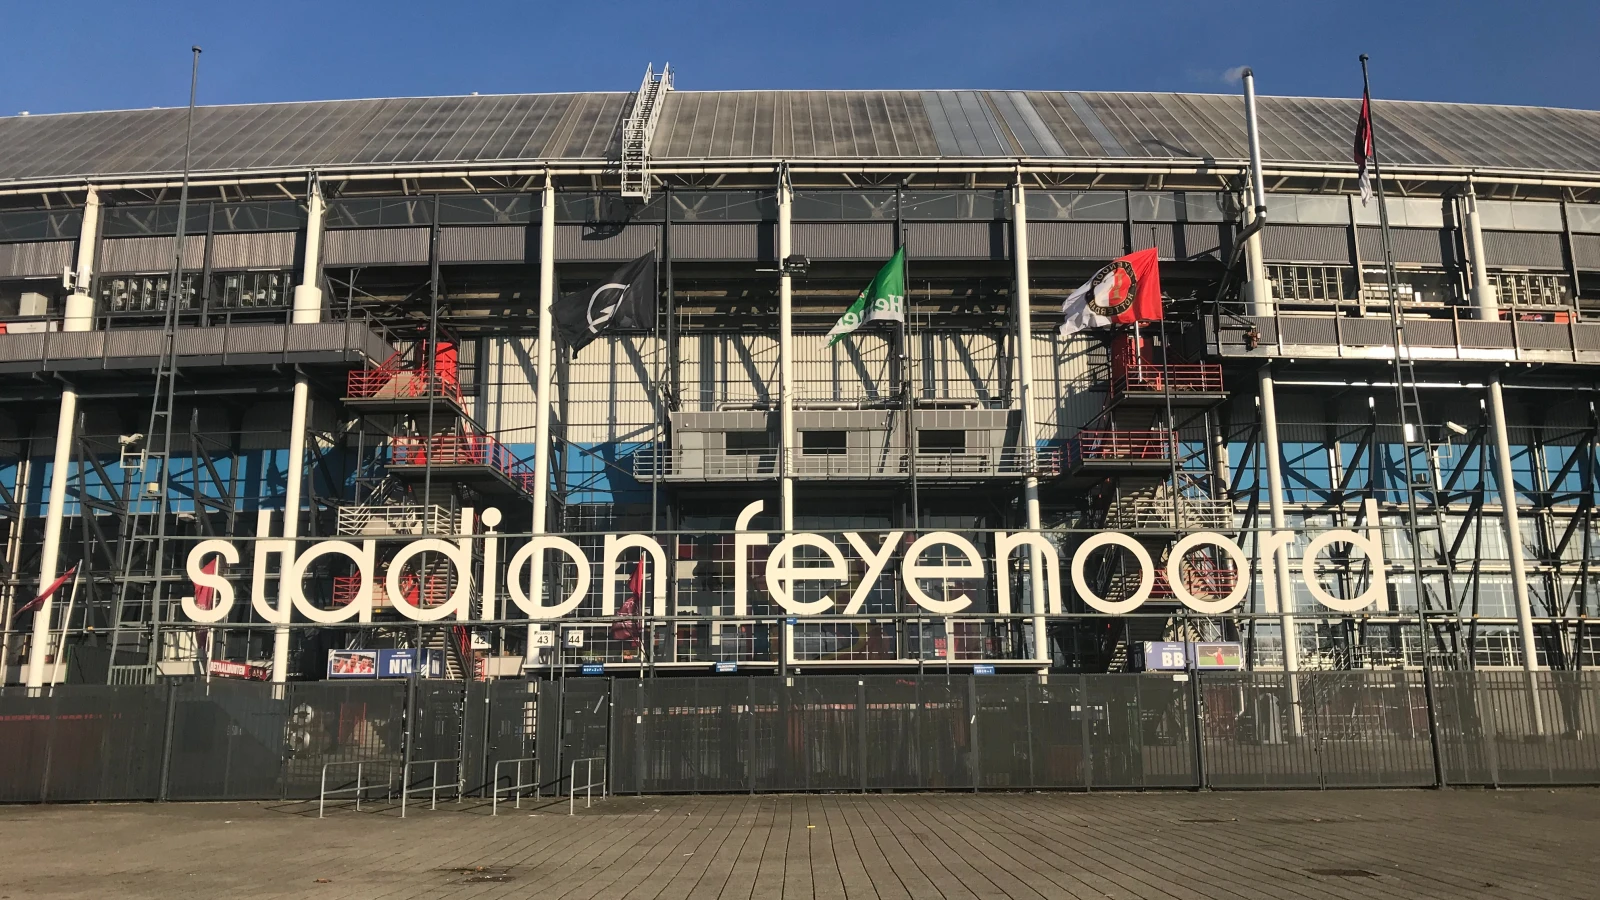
<point x="232" y="740"/>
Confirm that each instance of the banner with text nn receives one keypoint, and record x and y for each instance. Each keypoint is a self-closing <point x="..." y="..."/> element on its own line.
<point x="1127" y="290"/>
<point x="883" y="300"/>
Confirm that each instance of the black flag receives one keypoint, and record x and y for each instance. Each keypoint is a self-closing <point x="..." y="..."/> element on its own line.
<point x="624" y="302"/>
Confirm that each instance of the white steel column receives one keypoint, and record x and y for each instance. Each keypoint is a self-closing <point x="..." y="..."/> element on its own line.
<point x="1487" y="303"/>
<point x="1256" y="286"/>
<point x="1030" y="480"/>
<point x="1280" y="588"/>
<point x="307" y="310"/>
<point x="546" y="361"/>
<point x="785" y="350"/>
<point x="79" y="317"/>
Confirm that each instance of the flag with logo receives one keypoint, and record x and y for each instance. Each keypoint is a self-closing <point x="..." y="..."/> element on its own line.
<point x="47" y="593"/>
<point x="626" y="301"/>
<point x="1363" y="148"/>
<point x="1127" y="290"/>
<point x="882" y="300"/>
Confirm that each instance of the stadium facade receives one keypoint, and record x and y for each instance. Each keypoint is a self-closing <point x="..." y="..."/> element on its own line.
<point x="330" y="330"/>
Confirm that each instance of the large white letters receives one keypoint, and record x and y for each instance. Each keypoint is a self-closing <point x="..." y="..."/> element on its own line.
<point x="202" y="579"/>
<point x="1370" y="544"/>
<point x="912" y="569"/>
<point x="658" y="572"/>
<point x="781" y="573"/>
<point x="519" y="594"/>
<point x="1241" y="570"/>
<point x="742" y="542"/>
<point x="1004" y="544"/>
<point x="1147" y="572"/>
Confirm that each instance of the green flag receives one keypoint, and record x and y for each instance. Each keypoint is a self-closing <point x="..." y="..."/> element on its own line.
<point x="883" y="300"/>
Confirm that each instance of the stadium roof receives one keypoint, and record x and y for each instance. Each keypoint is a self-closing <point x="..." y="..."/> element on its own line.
<point x="824" y="125"/>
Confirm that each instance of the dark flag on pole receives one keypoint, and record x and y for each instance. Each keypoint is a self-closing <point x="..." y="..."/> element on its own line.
<point x="624" y="302"/>
<point x="1363" y="148"/>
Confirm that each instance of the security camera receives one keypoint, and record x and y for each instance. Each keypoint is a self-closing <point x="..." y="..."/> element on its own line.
<point x="1454" y="428"/>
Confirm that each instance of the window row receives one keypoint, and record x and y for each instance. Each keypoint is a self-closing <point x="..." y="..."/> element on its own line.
<point x="229" y="290"/>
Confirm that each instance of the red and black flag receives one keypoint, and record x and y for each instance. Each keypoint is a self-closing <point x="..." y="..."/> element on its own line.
<point x="44" y="595"/>
<point x="1363" y="148"/>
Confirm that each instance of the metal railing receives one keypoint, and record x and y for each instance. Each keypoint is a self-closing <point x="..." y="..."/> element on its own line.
<point x="518" y="786"/>
<point x="400" y="384"/>
<point x="879" y="462"/>
<point x="407" y="788"/>
<point x="460" y="450"/>
<point x="360" y="765"/>
<point x="405" y="518"/>
<point x="1141" y="379"/>
<point x="589" y="783"/>
<point x="1106" y="446"/>
<point x="1137" y="513"/>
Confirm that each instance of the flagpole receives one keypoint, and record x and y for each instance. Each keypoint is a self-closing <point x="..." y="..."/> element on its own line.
<point x="66" y="621"/>
<point x="907" y="404"/>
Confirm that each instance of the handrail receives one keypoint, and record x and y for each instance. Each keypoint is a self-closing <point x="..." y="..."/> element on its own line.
<point x="324" y="793"/>
<point x="518" y="786"/>
<point x="406" y="790"/>
<point x="588" y="788"/>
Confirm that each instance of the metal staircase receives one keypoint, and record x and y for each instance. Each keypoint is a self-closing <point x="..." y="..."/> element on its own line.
<point x="639" y="128"/>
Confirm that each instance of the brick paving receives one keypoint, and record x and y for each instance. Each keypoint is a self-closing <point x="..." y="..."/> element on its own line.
<point x="1304" y="845"/>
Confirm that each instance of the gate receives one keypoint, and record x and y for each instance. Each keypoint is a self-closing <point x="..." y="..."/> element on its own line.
<point x="574" y="722"/>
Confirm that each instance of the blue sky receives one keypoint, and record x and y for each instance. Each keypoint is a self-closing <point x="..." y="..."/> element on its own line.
<point x="63" y="56"/>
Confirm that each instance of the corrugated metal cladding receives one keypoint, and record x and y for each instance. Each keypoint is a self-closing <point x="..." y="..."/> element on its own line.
<point x="1075" y="240"/>
<point x="716" y="368"/>
<point x="1306" y="243"/>
<point x="498" y="243"/>
<point x="1183" y="241"/>
<point x="1586" y="250"/>
<point x="376" y="246"/>
<point x="1523" y="248"/>
<point x="35" y="258"/>
<point x="254" y="250"/>
<point x="607" y="391"/>
<point x="1425" y="246"/>
<point x="854" y="369"/>
<point x="955" y="366"/>
<point x="790" y="124"/>
<point x="1068" y="383"/>
<point x="844" y="240"/>
<point x="582" y="242"/>
<point x="508" y="402"/>
<point x="731" y="240"/>
<point x="1311" y="330"/>
<point x="958" y="240"/>
<point x="149" y="254"/>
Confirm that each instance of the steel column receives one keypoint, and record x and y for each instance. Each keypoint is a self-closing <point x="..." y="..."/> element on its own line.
<point x="1022" y="297"/>
<point x="785" y="350"/>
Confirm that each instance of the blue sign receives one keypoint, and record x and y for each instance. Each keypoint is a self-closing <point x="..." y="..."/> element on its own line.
<point x="593" y="669"/>
<point x="790" y="621"/>
<point x="983" y="669"/>
<point x="1178" y="656"/>
<point x="403" y="663"/>
<point x="1165" y="656"/>
<point x="726" y="668"/>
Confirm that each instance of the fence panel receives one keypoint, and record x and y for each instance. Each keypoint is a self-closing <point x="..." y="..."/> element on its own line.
<point x="1253" y="733"/>
<point x="945" y="752"/>
<point x="84" y="742"/>
<point x="1541" y="729"/>
<point x="228" y="741"/>
<point x="1370" y="728"/>
<point x="1004" y="718"/>
<point x="330" y="721"/>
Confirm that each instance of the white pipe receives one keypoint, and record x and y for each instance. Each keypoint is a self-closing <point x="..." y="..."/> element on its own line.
<point x="291" y="521"/>
<point x="786" y="350"/>
<point x="546" y="359"/>
<point x="1485" y="299"/>
<point x="308" y="293"/>
<point x="1511" y="520"/>
<point x="1281" y="589"/>
<point x="50" y="553"/>
<point x="1030" y="481"/>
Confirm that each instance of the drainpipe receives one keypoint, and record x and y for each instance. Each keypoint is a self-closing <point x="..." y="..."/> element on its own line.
<point x="1030" y="480"/>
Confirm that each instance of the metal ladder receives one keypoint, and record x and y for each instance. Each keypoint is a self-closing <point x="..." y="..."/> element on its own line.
<point x="639" y="128"/>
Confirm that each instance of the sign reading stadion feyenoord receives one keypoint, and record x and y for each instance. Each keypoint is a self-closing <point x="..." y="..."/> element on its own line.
<point x="782" y="573"/>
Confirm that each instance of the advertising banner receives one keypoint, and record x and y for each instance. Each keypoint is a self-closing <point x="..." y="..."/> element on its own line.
<point x="352" y="664"/>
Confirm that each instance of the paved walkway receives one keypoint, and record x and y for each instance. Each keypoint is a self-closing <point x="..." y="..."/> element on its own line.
<point x="1452" y="844"/>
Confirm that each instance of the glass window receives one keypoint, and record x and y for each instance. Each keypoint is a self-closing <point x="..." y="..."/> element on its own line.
<point x="715" y="206"/>
<point x="941" y="441"/>
<point x="834" y="206"/>
<point x="822" y="443"/>
<point x="959" y="205"/>
<point x="1519" y="215"/>
<point x="740" y="443"/>
<point x="1197" y="206"/>
<point x="1308" y="209"/>
<point x="268" y="215"/>
<point x="379" y="212"/>
<point x="1154" y="206"/>
<point x="40" y="224"/>
<point x="252" y="290"/>
<point x="136" y="221"/>
<point x="1584" y="217"/>
<point x="145" y="293"/>
<point x="1406" y="212"/>
<point x="1082" y="206"/>
<point x="486" y="209"/>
